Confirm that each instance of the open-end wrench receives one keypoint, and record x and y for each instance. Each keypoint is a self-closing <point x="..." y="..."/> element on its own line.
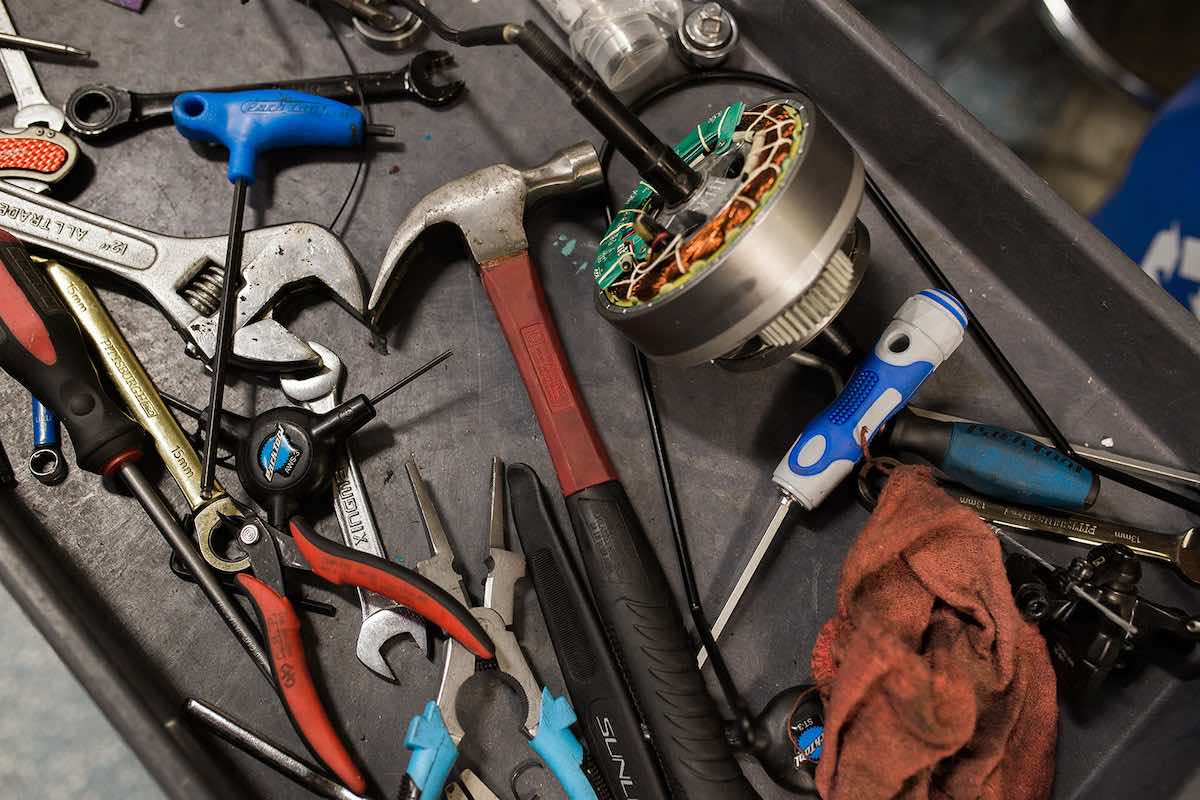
<point x="97" y="108"/>
<point x="32" y="106"/>
<point x="33" y="109"/>
<point x="1180" y="550"/>
<point x="183" y="276"/>
<point x="383" y="620"/>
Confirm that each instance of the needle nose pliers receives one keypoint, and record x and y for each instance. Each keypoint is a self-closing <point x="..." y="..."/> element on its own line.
<point x="433" y="735"/>
<point x="268" y="551"/>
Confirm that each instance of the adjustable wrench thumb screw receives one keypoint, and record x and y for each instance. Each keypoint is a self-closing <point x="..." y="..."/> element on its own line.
<point x="249" y="123"/>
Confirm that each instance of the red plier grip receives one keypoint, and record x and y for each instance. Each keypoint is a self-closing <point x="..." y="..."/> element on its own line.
<point x="345" y="566"/>
<point x="281" y="628"/>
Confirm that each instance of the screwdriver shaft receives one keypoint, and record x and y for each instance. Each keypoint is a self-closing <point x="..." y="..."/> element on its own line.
<point x="148" y="495"/>
<point x="12" y="41"/>
<point x="764" y="544"/>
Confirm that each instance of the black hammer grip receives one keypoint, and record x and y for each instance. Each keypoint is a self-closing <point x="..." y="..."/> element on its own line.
<point x="42" y="348"/>
<point x="593" y="678"/>
<point x="635" y="602"/>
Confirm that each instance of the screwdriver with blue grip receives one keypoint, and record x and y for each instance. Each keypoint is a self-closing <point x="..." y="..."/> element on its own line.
<point x="996" y="462"/>
<point x="249" y="123"/>
<point x="924" y="332"/>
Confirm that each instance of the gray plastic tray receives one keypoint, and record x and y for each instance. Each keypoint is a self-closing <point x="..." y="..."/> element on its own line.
<point x="1107" y="352"/>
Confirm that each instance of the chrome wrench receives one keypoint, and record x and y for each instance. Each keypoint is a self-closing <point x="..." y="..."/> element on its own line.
<point x="183" y="276"/>
<point x="32" y="106"/>
<point x="383" y="620"/>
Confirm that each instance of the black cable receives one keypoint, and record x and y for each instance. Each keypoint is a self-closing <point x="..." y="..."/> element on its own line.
<point x="919" y="253"/>
<point x="366" y="111"/>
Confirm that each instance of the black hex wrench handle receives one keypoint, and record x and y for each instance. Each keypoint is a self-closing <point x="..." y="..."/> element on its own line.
<point x="42" y="347"/>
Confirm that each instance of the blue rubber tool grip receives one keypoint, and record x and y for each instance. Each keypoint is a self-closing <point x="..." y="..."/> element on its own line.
<point x="558" y="748"/>
<point x="254" y="121"/>
<point x="47" y="430"/>
<point x="925" y="331"/>
<point x="1009" y="466"/>
<point x="433" y="751"/>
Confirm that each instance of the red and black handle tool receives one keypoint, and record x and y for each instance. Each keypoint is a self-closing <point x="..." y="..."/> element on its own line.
<point x="340" y="565"/>
<point x="345" y="566"/>
<point x="41" y="346"/>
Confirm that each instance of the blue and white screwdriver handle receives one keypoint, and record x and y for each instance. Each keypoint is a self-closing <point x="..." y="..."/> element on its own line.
<point x="926" y="330"/>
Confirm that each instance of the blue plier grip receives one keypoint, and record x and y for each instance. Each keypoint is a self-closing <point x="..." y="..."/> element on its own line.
<point x="558" y="748"/>
<point x="433" y="751"/>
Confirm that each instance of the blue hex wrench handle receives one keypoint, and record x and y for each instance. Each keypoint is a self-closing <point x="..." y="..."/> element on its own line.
<point x="251" y="122"/>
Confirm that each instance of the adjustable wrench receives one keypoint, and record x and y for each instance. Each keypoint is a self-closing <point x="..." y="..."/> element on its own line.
<point x="183" y="276"/>
<point x="383" y="620"/>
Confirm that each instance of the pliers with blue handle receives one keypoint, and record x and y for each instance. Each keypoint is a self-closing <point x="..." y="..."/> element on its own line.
<point x="433" y="736"/>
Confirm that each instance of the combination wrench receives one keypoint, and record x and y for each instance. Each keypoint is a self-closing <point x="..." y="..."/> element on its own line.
<point x="33" y="109"/>
<point x="183" y="276"/>
<point x="32" y="105"/>
<point x="98" y="108"/>
<point x="383" y="620"/>
<point x="1180" y="550"/>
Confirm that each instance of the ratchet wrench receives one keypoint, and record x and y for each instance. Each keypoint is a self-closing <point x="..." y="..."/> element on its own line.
<point x="96" y="109"/>
<point x="183" y="276"/>
<point x="383" y="619"/>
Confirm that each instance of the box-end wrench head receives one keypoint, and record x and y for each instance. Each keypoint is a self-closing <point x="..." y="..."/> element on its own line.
<point x="183" y="276"/>
<point x="320" y="391"/>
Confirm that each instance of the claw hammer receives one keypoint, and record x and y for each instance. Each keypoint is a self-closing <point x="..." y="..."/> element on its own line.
<point x="627" y="579"/>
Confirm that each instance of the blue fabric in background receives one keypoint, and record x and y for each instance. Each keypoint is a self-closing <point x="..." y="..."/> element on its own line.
<point x="1154" y="216"/>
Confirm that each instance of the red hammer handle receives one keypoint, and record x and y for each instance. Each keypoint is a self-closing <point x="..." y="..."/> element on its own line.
<point x="575" y="448"/>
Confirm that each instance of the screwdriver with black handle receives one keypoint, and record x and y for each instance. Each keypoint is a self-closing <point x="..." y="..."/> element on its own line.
<point x="42" y="347"/>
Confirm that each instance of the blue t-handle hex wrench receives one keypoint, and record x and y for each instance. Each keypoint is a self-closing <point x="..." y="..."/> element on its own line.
<point x="249" y="123"/>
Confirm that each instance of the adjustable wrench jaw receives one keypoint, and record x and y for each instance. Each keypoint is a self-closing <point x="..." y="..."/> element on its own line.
<point x="183" y="276"/>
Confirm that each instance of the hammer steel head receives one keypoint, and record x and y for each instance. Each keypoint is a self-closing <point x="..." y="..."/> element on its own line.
<point x="488" y="206"/>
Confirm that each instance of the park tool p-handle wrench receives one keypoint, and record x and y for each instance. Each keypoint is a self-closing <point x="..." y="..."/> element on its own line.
<point x="97" y="108"/>
<point x="247" y="124"/>
<point x="32" y="106"/>
<point x="46" y="462"/>
<point x="434" y="734"/>
<point x="383" y="620"/>
<point x="1181" y="550"/>
<point x="137" y="390"/>
<point x="184" y="276"/>
<point x="925" y="331"/>
<point x="632" y="593"/>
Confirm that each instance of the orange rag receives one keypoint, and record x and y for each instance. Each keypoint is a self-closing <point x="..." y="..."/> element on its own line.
<point x="934" y="686"/>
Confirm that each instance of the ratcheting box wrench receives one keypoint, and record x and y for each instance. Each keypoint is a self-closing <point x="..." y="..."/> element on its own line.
<point x="96" y="109"/>
<point x="434" y="734"/>
<point x="383" y="620"/>
<point x="184" y="276"/>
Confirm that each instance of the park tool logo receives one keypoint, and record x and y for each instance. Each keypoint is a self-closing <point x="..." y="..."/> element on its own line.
<point x="277" y="455"/>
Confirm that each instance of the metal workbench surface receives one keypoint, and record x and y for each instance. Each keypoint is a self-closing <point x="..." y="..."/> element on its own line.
<point x="1106" y="352"/>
